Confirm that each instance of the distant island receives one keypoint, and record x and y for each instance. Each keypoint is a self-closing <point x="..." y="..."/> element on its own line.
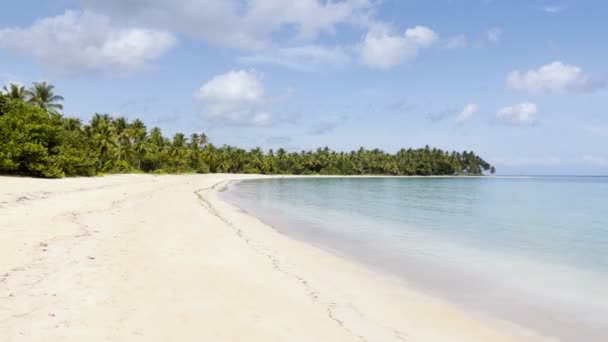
<point x="37" y="140"/>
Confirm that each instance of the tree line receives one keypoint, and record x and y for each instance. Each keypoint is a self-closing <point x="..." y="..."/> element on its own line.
<point x="37" y="140"/>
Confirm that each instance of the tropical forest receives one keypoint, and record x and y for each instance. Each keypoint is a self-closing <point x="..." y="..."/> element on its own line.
<point x="37" y="139"/>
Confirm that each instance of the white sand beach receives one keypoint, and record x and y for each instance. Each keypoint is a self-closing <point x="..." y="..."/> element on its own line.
<point x="161" y="258"/>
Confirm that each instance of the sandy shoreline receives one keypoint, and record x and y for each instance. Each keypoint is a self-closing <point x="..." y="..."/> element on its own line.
<point x="161" y="258"/>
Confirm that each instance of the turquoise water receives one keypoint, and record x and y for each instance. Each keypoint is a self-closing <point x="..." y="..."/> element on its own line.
<point x="531" y="251"/>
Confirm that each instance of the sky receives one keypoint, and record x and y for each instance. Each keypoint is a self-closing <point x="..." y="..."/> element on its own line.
<point x="522" y="83"/>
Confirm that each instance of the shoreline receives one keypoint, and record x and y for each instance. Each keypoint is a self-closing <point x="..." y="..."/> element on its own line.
<point x="522" y="332"/>
<point x="163" y="257"/>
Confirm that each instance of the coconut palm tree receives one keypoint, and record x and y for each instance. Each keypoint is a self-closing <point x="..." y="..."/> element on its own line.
<point x="193" y="144"/>
<point x="203" y="140"/>
<point x="123" y="136"/>
<point x="100" y="119"/>
<point x="72" y="124"/>
<point x="105" y="141"/>
<point x="15" y="92"/>
<point x="138" y="129"/>
<point x="141" y="148"/>
<point x="41" y="95"/>
<point x="177" y="150"/>
<point x="156" y="138"/>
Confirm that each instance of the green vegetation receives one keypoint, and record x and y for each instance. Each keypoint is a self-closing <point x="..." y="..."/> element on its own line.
<point x="36" y="140"/>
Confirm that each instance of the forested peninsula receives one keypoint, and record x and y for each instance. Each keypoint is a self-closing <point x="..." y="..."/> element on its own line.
<point x="37" y="140"/>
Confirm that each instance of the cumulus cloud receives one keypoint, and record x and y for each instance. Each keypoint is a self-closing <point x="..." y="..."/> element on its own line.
<point x="494" y="34"/>
<point x="467" y="112"/>
<point x="234" y="98"/>
<point x="239" y="24"/>
<point x="125" y="35"/>
<point x="555" y="77"/>
<point x="520" y="114"/>
<point x="456" y="42"/>
<point x="382" y="48"/>
<point x="235" y="86"/>
<point x="84" y="41"/>
<point x="308" y="57"/>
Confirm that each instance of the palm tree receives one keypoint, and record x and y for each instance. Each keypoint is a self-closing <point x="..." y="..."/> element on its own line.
<point x="100" y="119"/>
<point x="41" y="95"/>
<point x="177" y="149"/>
<point x="141" y="148"/>
<point x="156" y="138"/>
<point x="15" y="92"/>
<point x="138" y="129"/>
<point x="203" y="140"/>
<point x="123" y="136"/>
<point x="194" y="142"/>
<point x="72" y="124"/>
<point x="104" y="140"/>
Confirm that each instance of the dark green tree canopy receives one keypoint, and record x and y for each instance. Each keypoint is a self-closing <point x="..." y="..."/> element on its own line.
<point x="35" y="140"/>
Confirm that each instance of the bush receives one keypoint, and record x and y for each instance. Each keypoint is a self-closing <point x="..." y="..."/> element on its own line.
<point x="28" y="138"/>
<point x="118" y="166"/>
<point x="160" y="172"/>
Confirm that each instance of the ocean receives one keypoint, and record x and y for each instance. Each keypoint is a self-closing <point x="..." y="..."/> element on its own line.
<point x="532" y="251"/>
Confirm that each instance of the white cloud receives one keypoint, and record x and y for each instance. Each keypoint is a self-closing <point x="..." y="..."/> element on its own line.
<point x="384" y="49"/>
<point x="467" y="112"/>
<point x="235" y="86"/>
<point x="552" y="9"/>
<point x="234" y="98"/>
<point x="554" y="77"/>
<point x="421" y="35"/>
<point x="262" y="119"/>
<point x="267" y="31"/>
<point x="519" y="114"/>
<point x="248" y="25"/>
<point x="84" y="41"/>
<point x="456" y="42"/>
<point x="309" y="57"/>
<point x="494" y="34"/>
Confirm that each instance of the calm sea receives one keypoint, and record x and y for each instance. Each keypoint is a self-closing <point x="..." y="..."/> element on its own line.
<point x="531" y="251"/>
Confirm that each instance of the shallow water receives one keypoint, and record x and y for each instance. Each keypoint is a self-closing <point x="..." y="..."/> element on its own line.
<point x="532" y="251"/>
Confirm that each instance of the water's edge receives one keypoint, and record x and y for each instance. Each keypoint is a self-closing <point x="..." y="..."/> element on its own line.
<point x="517" y="330"/>
<point x="461" y="281"/>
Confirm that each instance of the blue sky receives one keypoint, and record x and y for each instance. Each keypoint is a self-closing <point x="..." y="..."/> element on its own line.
<point x="523" y="83"/>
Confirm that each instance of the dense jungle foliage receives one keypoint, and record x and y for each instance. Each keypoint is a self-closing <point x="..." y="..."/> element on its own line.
<point x="37" y="140"/>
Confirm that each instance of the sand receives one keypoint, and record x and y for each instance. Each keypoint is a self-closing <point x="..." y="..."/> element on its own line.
<point x="162" y="258"/>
